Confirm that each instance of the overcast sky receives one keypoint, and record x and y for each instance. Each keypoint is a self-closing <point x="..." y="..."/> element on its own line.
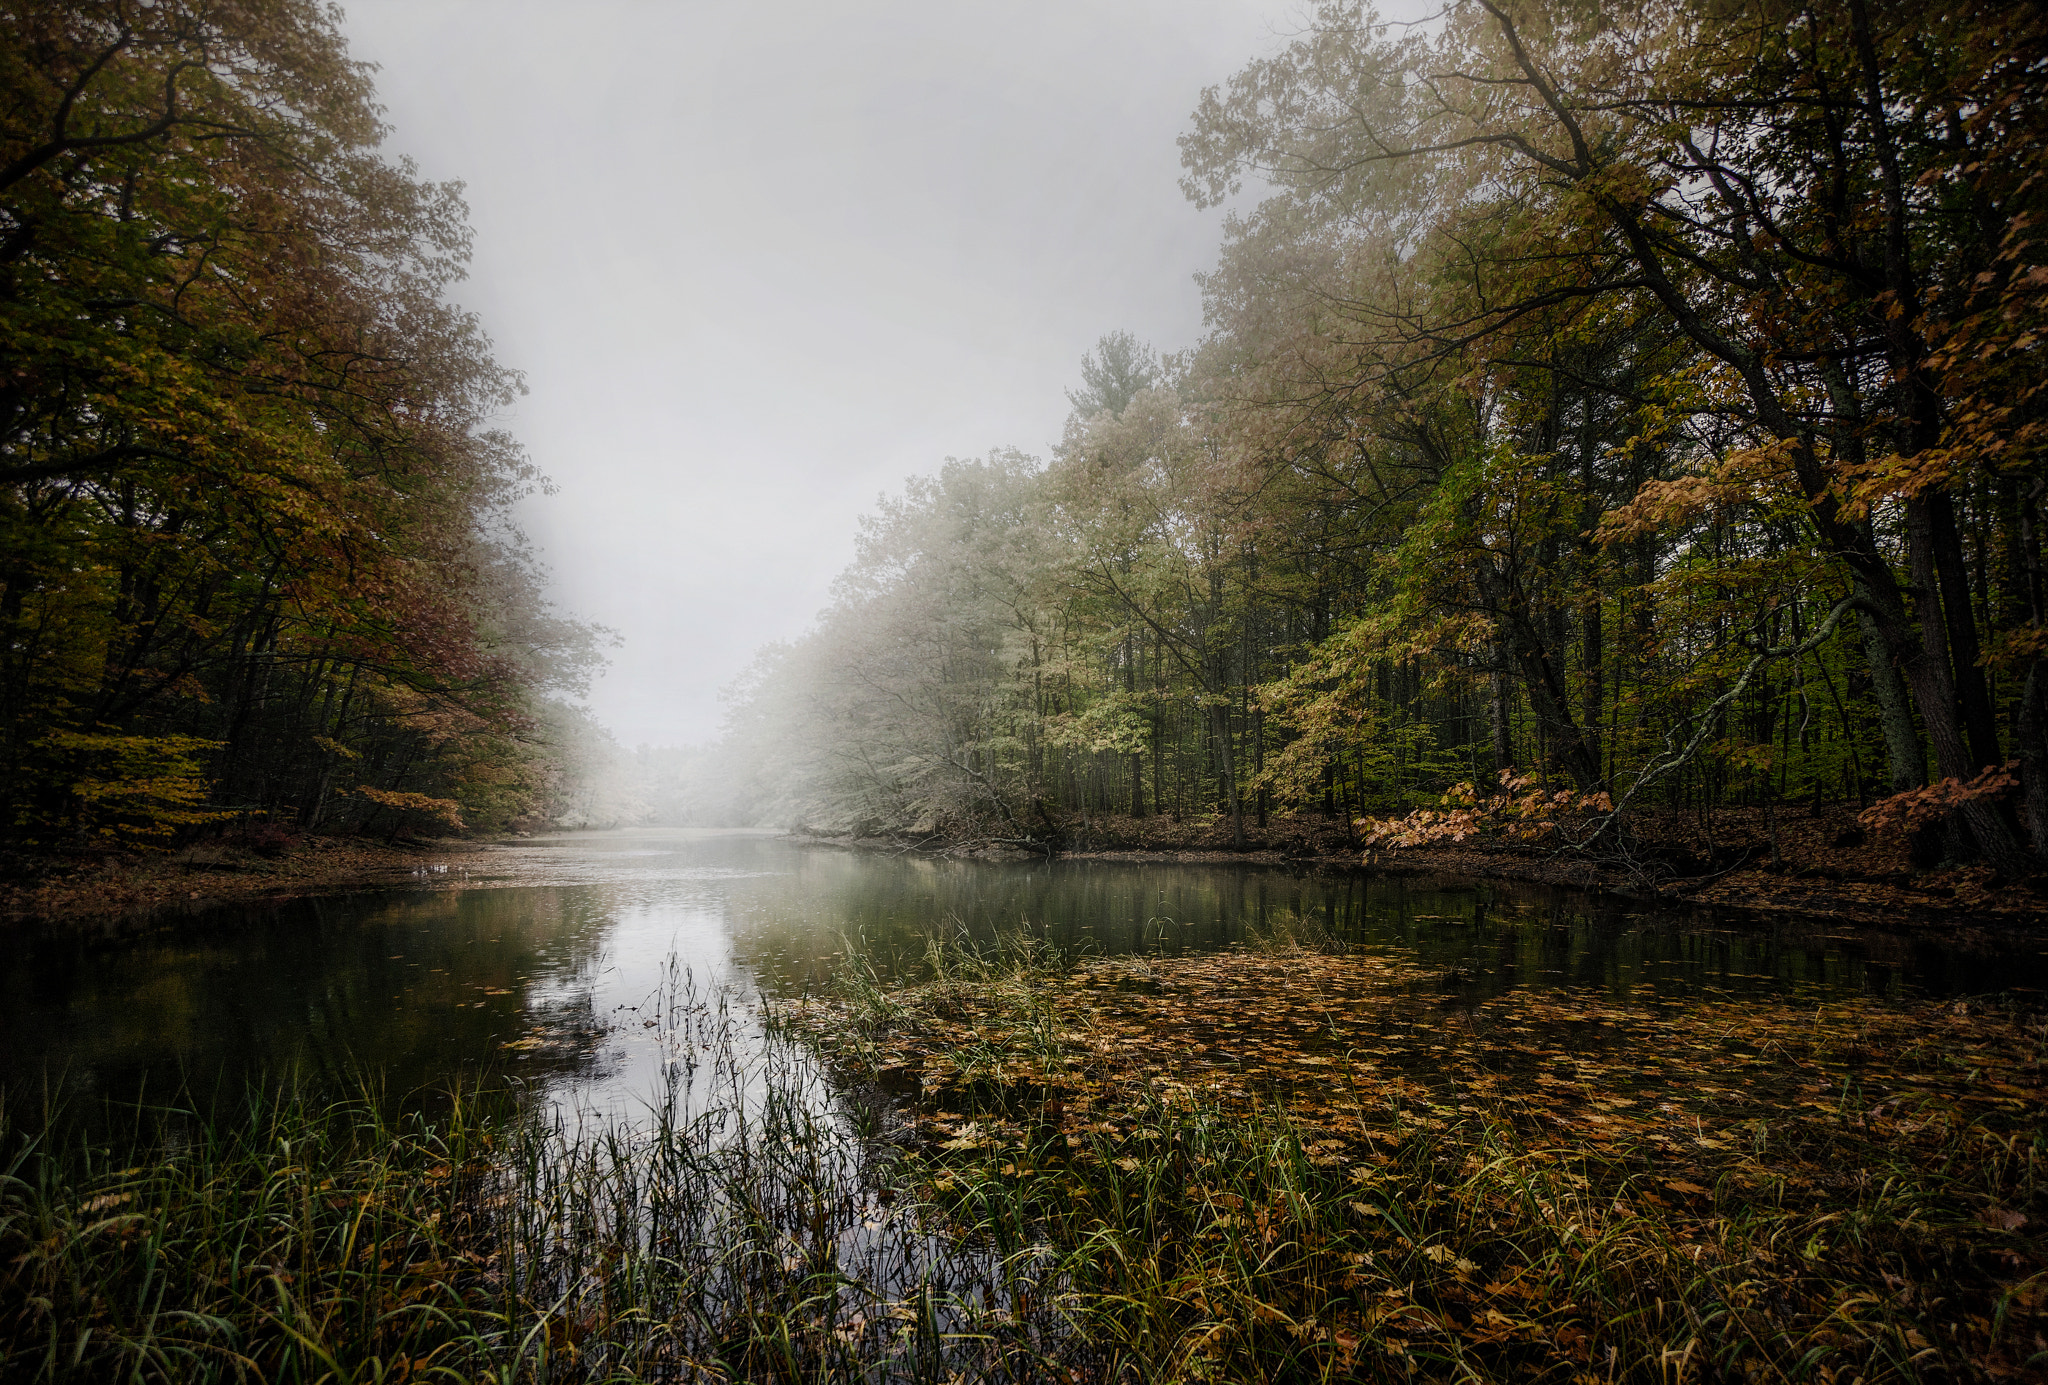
<point x="759" y="263"/>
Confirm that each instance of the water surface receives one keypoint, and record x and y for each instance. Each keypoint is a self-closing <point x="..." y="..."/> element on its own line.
<point x="567" y="959"/>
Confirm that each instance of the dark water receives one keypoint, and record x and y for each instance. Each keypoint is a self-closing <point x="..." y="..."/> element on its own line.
<point x="556" y="963"/>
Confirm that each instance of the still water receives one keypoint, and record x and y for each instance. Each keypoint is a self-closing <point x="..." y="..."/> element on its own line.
<point x="567" y="958"/>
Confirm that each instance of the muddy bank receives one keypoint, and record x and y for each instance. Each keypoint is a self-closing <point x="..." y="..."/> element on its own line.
<point x="1813" y="861"/>
<point x="199" y="876"/>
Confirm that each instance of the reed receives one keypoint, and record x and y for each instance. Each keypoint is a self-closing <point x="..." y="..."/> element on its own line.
<point x="288" y="1237"/>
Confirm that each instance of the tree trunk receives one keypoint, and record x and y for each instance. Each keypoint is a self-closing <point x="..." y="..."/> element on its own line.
<point x="1497" y="713"/>
<point x="1973" y="699"/>
<point x="2031" y="737"/>
<point x="1566" y="742"/>
<point x="1905" y="757"/>
<point x="1591" y="707"/>
<point x="1989" y="828"/>
<point x="1131" y="647"/>
<point x="1516" y="628"/>
<point x="1226" y="770"/>
<point x="1258" y="730"/>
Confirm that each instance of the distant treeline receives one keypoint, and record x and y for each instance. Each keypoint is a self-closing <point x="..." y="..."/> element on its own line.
<point x="255" y="559"/>
<point x="1644" y="399"/>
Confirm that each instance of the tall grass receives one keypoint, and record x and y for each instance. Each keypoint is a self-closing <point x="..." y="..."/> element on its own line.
<point x="294" y="1239"/>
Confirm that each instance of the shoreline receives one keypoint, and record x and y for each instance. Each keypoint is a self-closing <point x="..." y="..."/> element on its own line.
<point x="1863" y="885"/>
<point x="132" y="886"/>
<point x="1811" y="877"/>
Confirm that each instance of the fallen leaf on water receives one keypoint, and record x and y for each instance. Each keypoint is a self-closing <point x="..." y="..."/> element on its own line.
<point x="971" y="1136"/>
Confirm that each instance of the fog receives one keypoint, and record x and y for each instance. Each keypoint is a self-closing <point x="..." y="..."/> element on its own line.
<point x="761" y="263"/>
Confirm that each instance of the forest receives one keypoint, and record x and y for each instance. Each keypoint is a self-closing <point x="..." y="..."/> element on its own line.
<point x="1598" y="413"/>
<point x="257" y="570"/>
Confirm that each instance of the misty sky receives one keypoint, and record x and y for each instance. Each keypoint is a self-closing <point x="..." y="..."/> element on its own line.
<point x="760" y="263"/>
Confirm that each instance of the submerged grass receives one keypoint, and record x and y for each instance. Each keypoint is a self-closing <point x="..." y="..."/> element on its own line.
<point x="1300" y="1166"/>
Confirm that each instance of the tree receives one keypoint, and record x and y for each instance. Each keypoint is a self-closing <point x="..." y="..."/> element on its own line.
<point x="247" y="492"/>
<point x="1118" y="370"/>
<point x="1806" y="193"/>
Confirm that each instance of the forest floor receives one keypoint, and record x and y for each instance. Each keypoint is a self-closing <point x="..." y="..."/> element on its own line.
<point x="1797" y="859"/>
<point x="209" y="873"/>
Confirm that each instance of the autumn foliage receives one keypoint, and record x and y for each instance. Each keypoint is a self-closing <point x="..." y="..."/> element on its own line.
<point x="1631" y="401"/>
<point x="1523" y="810"/>
<point x="253" y="545"/>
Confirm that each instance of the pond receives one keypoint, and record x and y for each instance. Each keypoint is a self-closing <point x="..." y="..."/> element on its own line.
<point x="566" y="959"/>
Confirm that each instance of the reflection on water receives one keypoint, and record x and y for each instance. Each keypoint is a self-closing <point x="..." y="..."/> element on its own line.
<point x="556" y="963"/>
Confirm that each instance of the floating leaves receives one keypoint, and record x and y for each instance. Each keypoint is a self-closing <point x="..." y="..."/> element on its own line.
<point x="969" y="1136"/>
<point x="1322" y="1148"/>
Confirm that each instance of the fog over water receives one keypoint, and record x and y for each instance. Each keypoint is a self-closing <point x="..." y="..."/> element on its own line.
<point x="760" y="263"/>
